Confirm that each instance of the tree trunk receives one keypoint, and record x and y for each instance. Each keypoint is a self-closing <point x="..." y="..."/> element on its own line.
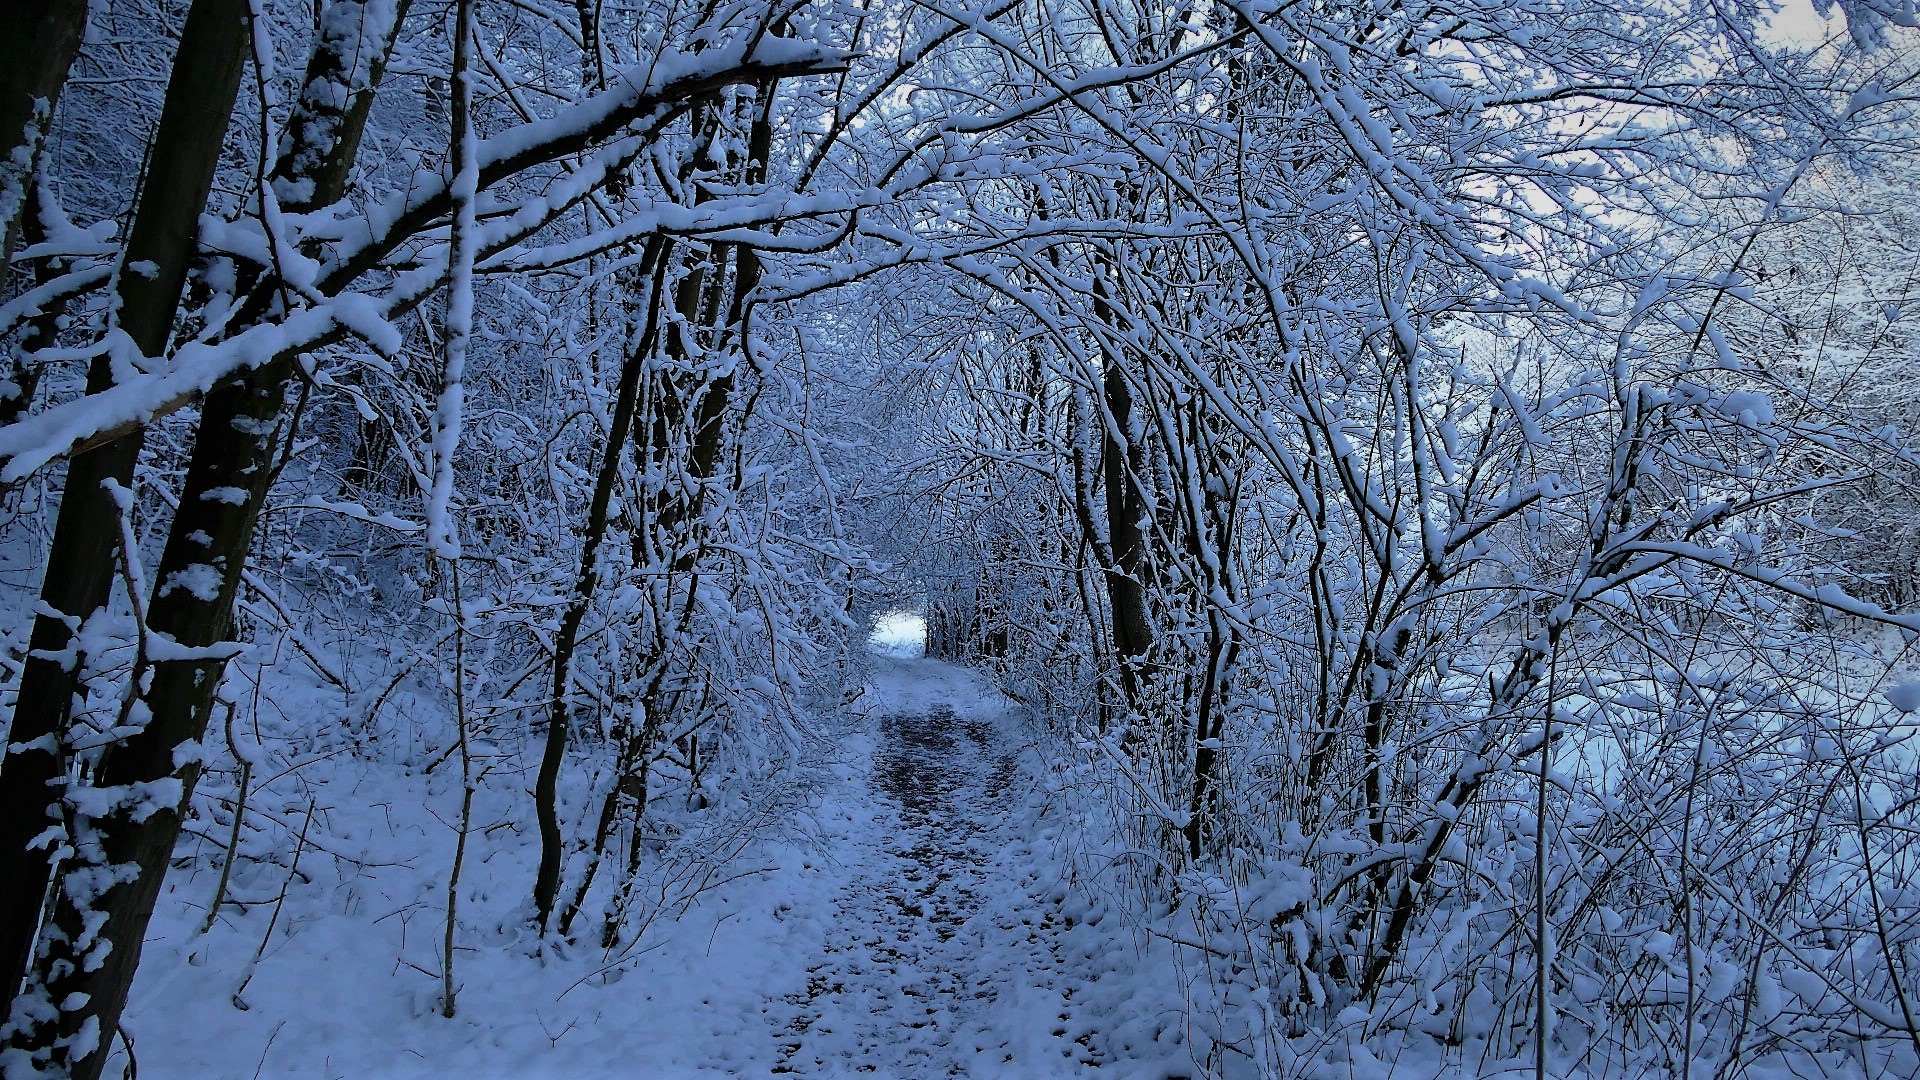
<point x="81" y="560"/>
<point x="694" y="402"/>
<point x="38" y="40"/>
<point x="178" y="701"/>
<point x="546" y="883"/>
<point x="1123" y="468"/>
<point x="240" y="429"/>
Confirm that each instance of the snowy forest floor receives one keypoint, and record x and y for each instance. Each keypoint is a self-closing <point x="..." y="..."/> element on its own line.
<point x="920" y="926"/>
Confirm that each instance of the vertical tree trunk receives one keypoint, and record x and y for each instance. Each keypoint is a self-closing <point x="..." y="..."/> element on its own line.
<point x="694" y="402"/>
<point x="240" y="429"/>
<point x="1123" y="470"/>
<point x="93" y="987"/>
<point x="38" y="40"/>
<point x="1212" y="509"/>
<point x="81" y="560"/>
<point x="546" y="794"/>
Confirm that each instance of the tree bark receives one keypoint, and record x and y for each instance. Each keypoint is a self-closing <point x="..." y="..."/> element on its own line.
<point x="211" y="531"/>
<point x="81" y="560"/>
<point x="1123" y="469"/>
<point x="546" y="883"/>
<point x="38" y="41"/>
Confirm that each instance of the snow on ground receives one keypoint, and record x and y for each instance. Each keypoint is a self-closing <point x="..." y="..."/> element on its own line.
<point x="933" y="965"/>
<point x="926" y="921"/>
<point x="917" y="930"/>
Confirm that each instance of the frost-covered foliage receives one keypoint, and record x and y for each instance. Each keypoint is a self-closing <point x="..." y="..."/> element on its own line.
<point x="1441" y="473"/>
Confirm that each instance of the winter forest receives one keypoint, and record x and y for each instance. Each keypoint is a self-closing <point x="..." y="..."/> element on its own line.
<point x="960" y="538"/>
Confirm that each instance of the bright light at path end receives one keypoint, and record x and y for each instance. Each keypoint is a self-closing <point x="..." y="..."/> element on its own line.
<point x="899" y="633"/>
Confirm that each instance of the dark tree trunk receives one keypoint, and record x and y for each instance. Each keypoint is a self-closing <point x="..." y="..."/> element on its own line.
<point x="241" y="427"/>
<point x="38" y="40"/>
<point x="180" y="696"/>
<point x="1123" y="469"/>
<point x="712" y="306"/>
<point x="1212" y="536"/>
<point x="546" y="883"/>
<point x="81" y="561"/>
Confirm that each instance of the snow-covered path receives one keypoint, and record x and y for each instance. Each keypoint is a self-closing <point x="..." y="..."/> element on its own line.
<point x="914" y="921"/>
<point x="934" y="963"/>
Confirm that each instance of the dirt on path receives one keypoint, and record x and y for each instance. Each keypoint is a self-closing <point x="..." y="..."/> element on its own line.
<point x="936" y="965"/>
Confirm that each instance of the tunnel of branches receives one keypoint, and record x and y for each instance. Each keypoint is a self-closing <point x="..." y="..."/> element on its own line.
<point x="1434" y="475"/>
